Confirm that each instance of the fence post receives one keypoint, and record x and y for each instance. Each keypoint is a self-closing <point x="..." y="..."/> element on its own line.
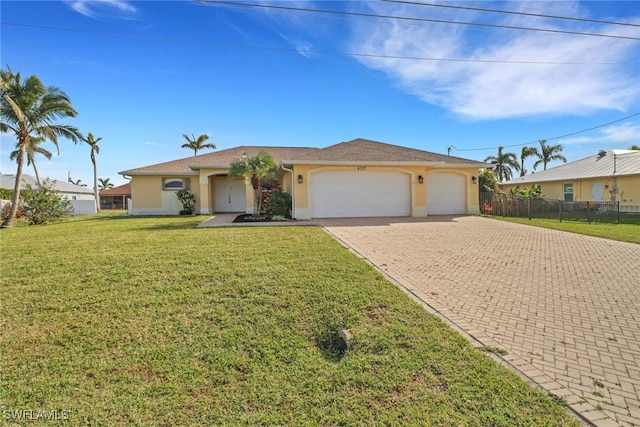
<point x="560" y="203"/>
<point x="529" y="208"/>
<point x="618" y="209"/>
<point x="588" y="213"/>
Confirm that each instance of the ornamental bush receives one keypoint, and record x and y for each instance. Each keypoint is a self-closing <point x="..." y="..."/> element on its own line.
<point x="280" y="204"/>
<point x="188" y="200"/>
<point x="44" y="204"/>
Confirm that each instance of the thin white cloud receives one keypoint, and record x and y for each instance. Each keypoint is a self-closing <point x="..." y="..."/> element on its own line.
<point x="95" y="8"/>
<point x="152" y="143"/>
<point x="480" y="90"/>
<point x="623" y="135"/>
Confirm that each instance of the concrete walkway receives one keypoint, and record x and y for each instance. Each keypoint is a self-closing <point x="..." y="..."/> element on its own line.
<point x="565" y="307"/>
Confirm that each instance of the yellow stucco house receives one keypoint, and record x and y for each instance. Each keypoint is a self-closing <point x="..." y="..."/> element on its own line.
<point x="607" y="176"/>
<point x="358" y="178"/>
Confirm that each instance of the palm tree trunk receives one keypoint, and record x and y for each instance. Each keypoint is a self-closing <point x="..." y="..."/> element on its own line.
<point x="16" y="189"/>
<point x="95" y="182"/>
<point x="35" y="169"/>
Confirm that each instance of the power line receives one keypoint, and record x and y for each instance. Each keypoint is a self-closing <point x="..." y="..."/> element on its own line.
<point x="301" y="51"/>
<point x="537" y="15"/>
<point x="552" y="138"/>
<point x="370" y="15"/>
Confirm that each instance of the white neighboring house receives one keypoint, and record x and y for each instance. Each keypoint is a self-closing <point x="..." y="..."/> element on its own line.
<point x="82" y="198"/>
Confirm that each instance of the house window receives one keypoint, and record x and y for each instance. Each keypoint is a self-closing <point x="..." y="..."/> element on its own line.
<point x="568" y="192"/>
<point x="175" y="184"/>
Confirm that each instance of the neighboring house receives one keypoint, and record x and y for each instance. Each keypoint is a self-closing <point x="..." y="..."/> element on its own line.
<point x="607" y="176"/>
<point x="116" y="197"/>
<point x="82" y="198"/>
<point x="358" y="178"/>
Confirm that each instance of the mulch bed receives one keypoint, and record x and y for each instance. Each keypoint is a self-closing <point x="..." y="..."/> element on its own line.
<point x="251" y="218"/>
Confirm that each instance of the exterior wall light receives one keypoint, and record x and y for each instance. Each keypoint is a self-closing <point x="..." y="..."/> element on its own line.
<point x="300" y="180"/>
<point x="474" y="180"/>
<point x="420" y="179"/>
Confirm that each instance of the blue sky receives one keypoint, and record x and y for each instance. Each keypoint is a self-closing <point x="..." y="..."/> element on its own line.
<point x="140" y="74"/>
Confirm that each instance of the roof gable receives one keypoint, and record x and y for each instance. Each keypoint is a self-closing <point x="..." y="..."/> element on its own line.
<point x="614" y="162"/>
<point x="367" y="151"/>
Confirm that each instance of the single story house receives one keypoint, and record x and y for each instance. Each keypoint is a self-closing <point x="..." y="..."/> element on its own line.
<point x="82" y="198"/>
<point x="358" y="178"/>
<point x="607" y="176"/>
<point x="116" y="197"/>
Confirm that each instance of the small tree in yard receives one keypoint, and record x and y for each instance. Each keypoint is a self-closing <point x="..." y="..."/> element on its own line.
<point x="255" y="170"/>
<point x="43" y="204"/>
<point x="188" y="200"/>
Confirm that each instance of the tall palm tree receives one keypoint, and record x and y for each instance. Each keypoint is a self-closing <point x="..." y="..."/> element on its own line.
<point x="526" y="153"/>
<point x="197" y="144"/>
<point x="28" y="109"/>
<point x="104" y="184"/>
<point x="548" y="153"/>
<point x="503" y="163"/>
<point x="93" y="143"/>
<point x="255" y="170"/>
<point x="33" y="148"/>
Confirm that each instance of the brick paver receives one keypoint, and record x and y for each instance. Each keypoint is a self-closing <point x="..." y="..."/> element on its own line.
<point x="566" y="307"/>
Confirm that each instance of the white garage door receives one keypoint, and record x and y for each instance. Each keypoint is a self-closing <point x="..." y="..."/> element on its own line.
<point x="445" y="194"/>
<point x="359" y="194"/>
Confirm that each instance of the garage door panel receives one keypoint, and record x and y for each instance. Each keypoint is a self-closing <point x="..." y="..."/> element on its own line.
<point x="360" y="194"/>
<point x="446" y="194"/>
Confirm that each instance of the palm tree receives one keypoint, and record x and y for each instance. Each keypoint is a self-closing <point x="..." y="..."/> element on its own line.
<point x="28" y="109"/>
<point x="104" y="184"/>
<point x="93" y="143"/>
<point x="32" y="149"/>
<point x="548" y="153"/>
<point x="254" y="170"/>
<point x="526" y="152"/>
<point x="76" y="182"/>
<point x="197" y="144"/>
<point x="502" y="164"/>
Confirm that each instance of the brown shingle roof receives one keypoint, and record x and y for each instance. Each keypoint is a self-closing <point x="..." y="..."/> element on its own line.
<point x="357" y="150"/>
<point x="364" y="150"/>
<point x="121" y="190"/>
<point x="218" y="158"/>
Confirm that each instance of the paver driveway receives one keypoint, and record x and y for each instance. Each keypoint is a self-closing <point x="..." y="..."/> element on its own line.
<point x="566" y="307"/>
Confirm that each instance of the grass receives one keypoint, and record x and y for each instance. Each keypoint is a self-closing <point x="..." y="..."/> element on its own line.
<point x="150" y="321"/>
<point x="622" y="232"/>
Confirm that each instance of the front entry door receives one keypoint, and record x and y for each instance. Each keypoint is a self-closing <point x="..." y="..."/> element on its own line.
<point x="229" y="194"/>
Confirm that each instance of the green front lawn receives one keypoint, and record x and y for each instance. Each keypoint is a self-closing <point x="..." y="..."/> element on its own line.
<point x="629" y="232"/>
<point x="150" y="321"/>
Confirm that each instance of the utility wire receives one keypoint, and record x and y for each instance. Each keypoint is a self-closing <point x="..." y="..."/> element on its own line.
<point x="550" y="139"/>
<point x="478" y="9"/>
<point x="370" y="15"/>
<point x="302" y="51"/>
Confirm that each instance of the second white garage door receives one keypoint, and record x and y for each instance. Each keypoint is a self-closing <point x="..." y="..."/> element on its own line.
<point x="359" y="194"/>
<point x="445" y="194"/>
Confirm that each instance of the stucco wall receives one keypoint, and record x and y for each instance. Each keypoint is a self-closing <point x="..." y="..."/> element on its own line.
<point x="418" y="191"/>
<point x="149" y="198"/>
<point x="628" y="189"/>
